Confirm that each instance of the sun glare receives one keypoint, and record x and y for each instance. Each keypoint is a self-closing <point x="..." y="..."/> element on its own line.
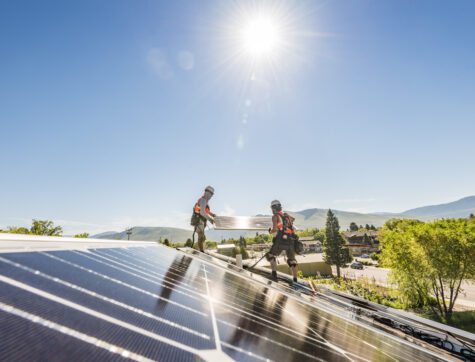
<point x="260" y="36"/>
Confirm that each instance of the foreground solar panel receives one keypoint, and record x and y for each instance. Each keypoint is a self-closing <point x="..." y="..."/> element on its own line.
<point x="156" y="303"/>
<point x="243" y="222"/>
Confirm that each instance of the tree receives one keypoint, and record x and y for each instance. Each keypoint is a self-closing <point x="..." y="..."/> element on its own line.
<point x="17" y="230"/>
<point x="188" y="243"/>
<point x="320" y="235"/>
<point x="334" y="253"/>
<point x="82" y="236"/>
<point x="430" y="261"/>
<point x="45" y="227"/>
<point x="353" y="227"/>
<point x="471" y="216"/>
<point x="367" y="240"/>
<point x="211" y="244"/>
<point x="242" y="241"/>
<point x="166" y="242"/>
<point x="242" y="251"/>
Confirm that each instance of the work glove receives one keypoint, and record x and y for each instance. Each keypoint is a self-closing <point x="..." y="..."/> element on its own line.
<point x="270" y="230"/>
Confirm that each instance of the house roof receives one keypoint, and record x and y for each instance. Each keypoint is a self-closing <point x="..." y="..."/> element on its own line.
<point x="352" y="234"/>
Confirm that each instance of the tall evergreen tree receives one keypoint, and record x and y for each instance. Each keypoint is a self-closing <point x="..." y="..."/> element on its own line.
<point x="334" y="253"/>
<point x="353" y="227"/>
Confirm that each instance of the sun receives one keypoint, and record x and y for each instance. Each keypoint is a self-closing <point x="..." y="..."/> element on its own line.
<point x="260" y="36"/>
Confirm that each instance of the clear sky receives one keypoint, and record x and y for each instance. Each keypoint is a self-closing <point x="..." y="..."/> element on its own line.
<point x="118" y="113"/>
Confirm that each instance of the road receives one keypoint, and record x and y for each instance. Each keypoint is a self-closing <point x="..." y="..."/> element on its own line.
<point x="466" y="299"/>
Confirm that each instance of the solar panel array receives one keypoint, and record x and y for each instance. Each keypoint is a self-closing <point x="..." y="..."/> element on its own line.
<point x="156" y="303"/>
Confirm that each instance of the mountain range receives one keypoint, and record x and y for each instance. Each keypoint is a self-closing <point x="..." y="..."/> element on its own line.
<point x="309" y="218"/>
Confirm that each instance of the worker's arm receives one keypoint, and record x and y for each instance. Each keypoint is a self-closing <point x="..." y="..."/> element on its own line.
<point x="275" y="224"/>
<point x="203" y="213"/>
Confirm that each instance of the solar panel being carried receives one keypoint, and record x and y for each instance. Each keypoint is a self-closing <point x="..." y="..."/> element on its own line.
<point x="157" y="303"/>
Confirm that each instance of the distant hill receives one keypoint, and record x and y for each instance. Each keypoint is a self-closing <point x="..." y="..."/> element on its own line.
<point x="149" y="234"/>
<point x="105" y="235"/>
<point x="460" y="208"/>
<point x="309" y="218"/>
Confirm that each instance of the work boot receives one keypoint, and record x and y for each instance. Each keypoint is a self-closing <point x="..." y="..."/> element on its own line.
<point x="295" y="280"/>
<point x="274" y="275"/>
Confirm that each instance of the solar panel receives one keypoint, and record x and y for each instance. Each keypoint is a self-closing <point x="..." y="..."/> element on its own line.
<point x="243" y="222"/>
<point x="156" y="303"/>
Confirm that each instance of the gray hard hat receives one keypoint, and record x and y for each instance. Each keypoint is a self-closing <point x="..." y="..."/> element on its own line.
<point x="210" y="189"/>
<point x="275" y="203"/>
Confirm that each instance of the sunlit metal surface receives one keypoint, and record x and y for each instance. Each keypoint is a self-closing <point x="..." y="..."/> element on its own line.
<point x="243" y="222"/>
<point x="156" y="303"/>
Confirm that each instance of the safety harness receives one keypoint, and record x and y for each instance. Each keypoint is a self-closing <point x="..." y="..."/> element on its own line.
<point x="286" y="226"/>
<point x="287" y="232"/>
<point x="196" y="217"/>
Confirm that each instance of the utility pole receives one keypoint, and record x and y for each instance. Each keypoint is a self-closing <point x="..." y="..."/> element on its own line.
<point x="128" y="232"/>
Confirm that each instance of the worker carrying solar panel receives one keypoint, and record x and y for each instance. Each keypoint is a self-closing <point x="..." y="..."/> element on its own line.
<point x="201" y="215"/>
<point x="285" y="238"/>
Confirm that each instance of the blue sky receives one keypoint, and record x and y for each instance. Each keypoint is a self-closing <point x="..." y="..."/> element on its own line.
<point x="118" y="113"/>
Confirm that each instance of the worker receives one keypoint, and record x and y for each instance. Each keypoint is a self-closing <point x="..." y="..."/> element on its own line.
<point x="284" y="239"/>
<point x="201" y="215"/>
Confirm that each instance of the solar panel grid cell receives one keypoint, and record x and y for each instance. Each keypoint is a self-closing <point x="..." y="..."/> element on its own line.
<point x="24" y="340"/>
<point x="113" y="307"/>
<point x="57" y="312"/>
<point x="114" y="272"/>
<point x="97" y="284"/>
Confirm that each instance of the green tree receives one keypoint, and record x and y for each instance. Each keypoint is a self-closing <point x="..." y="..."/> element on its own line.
<point x="242" y="251"/>
<point x="353" y="227"/>
<point x="307" y="232"/>
<point x="242" y="241"/>
<point x="471" y="216"/>
<point x="367" y="240"/>
<point x="166" y="242"/>
<point x="430" y="261"/>
<point x="45" y="227"/>
<point x="320" y="235"/>
<point x="334" y="252"/>
<point x="211" y="244"/>
<point x="188" y="243"/>
<point x="82" y="236"/>
<point x="17" y="230"/>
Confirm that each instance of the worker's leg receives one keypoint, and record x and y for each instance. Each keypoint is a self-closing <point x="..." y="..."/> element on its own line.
<point x="292" y="262"/>
<point x="200" y="230"/>
<point x="271" y="258"/>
